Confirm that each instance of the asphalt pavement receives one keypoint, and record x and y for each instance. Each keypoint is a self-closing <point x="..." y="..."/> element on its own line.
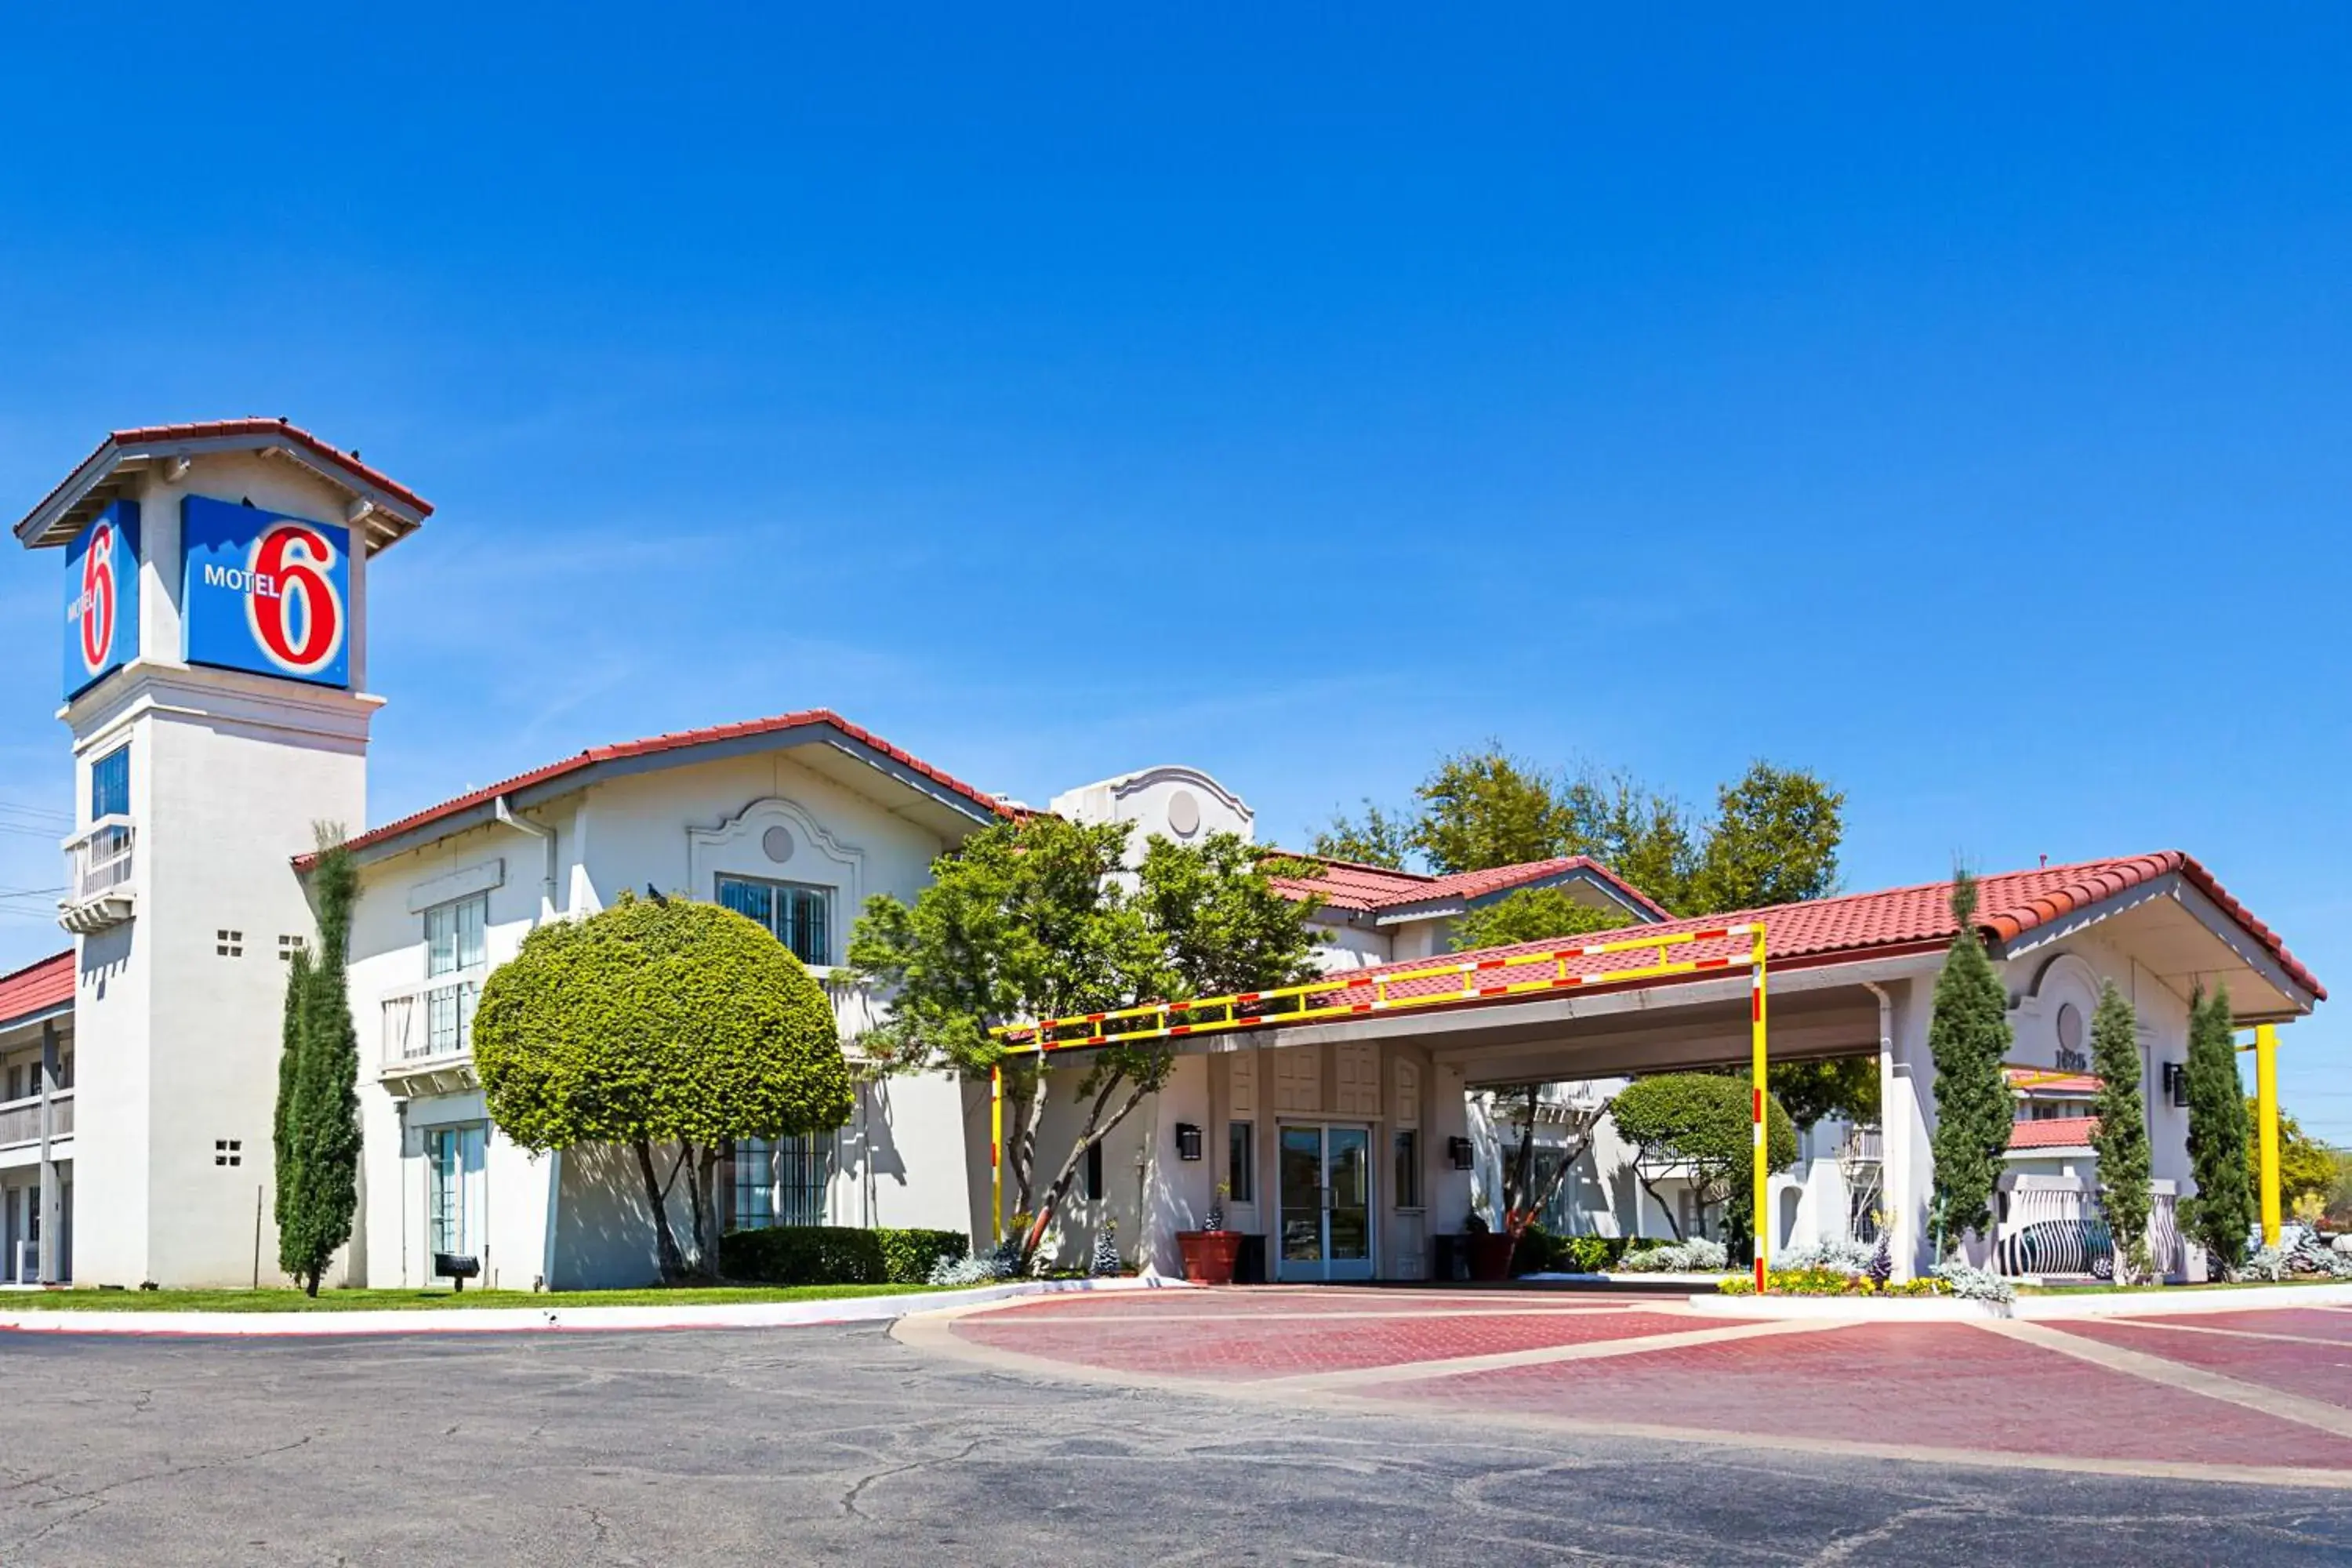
<point x="843" y="1445"/>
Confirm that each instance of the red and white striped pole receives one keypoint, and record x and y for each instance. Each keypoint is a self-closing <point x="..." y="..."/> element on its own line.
<point x="1756" y="1074"/>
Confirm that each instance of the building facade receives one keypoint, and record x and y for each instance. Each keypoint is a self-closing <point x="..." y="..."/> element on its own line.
<point x="216" y="697"/>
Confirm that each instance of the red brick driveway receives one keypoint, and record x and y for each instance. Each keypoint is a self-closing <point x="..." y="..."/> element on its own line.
<point x="2249" y="1396"/>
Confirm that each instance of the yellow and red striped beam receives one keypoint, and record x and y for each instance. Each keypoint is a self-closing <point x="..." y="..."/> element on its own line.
<point x="1332" y="997"/>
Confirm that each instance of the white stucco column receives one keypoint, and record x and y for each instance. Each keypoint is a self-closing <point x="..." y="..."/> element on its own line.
<point x="1906" y="1080"/>
<point x="51" y="1199"/>
<point x="1176" y="1190"/>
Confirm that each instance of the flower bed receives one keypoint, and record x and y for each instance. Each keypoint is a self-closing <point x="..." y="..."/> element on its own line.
<point x="1826" y="1282"/>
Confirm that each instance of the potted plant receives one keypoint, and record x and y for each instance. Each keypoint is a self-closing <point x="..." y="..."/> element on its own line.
<point x="1490" y="1253"/>
<point x="1211" y="1254"/>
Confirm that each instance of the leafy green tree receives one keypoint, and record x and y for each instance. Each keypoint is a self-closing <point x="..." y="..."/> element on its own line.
<point x="1532" y="914"/>
<point x="666" y="1025"/>
<point x="1844" y="1087"/>
<point x="1774" y="840"/>
<point x="2121" y="1141"/>
<point x="2307" y="1165"/>
<point x="1706" y="1123"/>
<point x="315" y="1129"/>
<point x="1483" y="809"/>
<point x="2221" y="1216"/>
<point x="1969" y="1036"/>
<point x="1375" y="839"/>
<point x="1038" y="920"/>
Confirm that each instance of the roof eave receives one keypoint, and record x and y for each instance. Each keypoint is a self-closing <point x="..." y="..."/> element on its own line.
<point x="385" y="518"/>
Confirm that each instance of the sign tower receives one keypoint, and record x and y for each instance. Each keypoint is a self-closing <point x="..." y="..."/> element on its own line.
<point x="216" y="672"/>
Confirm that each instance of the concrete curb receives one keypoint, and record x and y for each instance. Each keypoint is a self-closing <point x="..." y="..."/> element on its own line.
<point x="2153" y="1303"/>
<point x="552" y="1320"/>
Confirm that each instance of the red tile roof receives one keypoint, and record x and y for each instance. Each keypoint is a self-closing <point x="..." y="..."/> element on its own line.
<point x="1347" y="885"/>
<point x="273" y="430"/>
<point x="37" y="988"/>
<point x="679" y="741"/>
<point x="2054" y="1132"/>
<point x="1897" y="920"/>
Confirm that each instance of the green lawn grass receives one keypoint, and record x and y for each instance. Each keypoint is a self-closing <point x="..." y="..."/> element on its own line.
<point x="285" y="1301"/>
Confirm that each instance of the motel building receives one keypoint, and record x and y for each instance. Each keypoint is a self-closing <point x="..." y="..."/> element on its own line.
<point x="217" y="700"/>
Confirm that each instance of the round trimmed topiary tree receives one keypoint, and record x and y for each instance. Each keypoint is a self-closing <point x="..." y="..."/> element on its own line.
<point x="1701" y="1126"/>
<point x="659" y="1022"/>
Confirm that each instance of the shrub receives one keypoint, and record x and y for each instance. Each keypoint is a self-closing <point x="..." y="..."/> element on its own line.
<point x="1975" y="1284"/>
<point x="982" y="1269"/>
<point x="1698" y="1255"/>
<point x="2308" y="1256"/>
<point x="1540" y="1252"/>
<point x="1838" y="1256"/>
<point x="805" y="1254"/>
<point x="909" y="1256"/>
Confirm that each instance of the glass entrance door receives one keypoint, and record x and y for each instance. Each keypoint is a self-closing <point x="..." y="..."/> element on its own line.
<point x="1325" y="1190"/>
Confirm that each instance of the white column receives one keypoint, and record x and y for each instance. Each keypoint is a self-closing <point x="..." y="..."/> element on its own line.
<point x="51" y="1199"/>
<point x="1907" y="1117"/>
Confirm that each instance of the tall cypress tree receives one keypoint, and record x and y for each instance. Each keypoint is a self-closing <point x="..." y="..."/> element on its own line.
<point x="2222" y="1213"/>
<point x="286" y="1151"/>
<point x="319" y="1117"/>
<point x="1968" y="1035"/>
<point x="2121" y="1141"/>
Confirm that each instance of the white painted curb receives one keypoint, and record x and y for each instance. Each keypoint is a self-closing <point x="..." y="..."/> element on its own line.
<point x="543" y="1319"/>
<point x="2151" y="1303"/>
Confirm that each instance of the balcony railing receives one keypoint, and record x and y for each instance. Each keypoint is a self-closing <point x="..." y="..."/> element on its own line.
<point x="855" y="1008"/>
<point x="20" y="1119"/>
<point x="1862" y="1146"/>
<point x="101" y="861"/>
<point x="432" y="1022"/>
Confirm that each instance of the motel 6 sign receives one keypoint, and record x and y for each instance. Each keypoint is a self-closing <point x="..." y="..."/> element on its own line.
<point x="102" y="597"/>
<point x="266" y="593"/>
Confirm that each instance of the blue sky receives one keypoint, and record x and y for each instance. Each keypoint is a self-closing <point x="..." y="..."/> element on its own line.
<point x="1957" y="409"/>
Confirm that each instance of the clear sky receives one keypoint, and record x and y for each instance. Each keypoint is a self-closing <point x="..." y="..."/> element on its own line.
<point x="1959" y="410"/>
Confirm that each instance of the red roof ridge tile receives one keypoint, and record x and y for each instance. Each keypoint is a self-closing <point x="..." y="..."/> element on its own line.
<point x="669" y="740"/>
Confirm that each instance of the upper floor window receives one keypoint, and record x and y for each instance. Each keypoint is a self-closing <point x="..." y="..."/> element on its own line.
<point x="800" y="915"/>
<point x="110" y="785"/>
<point x="453" y="936"/>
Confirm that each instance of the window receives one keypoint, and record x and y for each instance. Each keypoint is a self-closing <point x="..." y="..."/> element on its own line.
<point x="1094" y="1173"/>
<point x="288" y="946"/>
<point x="454" y="948"/>
<point x="781" y="1181"/>
<point x="800" y="915"/>
<point x="1408" y="1168"/>
<point x="229" y="1150"/>
<point x="453" y="935"/>
<point x="454" y="1196"/>
<point x="1240" y="1161"/>
<point x="110" y="785"/>
<point x="228" y="944"/>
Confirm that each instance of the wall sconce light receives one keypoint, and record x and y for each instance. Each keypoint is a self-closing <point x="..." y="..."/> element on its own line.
<point x="1460" y="1154"/>
<point x="1188" y="1141"/>
<point x="2176" y="1084"/>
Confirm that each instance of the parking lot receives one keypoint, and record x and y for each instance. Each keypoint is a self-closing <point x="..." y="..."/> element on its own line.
<point x="1268" y="1426"/>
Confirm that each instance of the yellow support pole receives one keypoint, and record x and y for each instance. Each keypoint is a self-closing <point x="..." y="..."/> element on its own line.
<point x="1757" y="1072"/>
<point x="996" y="1155"/>
<point x="2266" y="1113"/>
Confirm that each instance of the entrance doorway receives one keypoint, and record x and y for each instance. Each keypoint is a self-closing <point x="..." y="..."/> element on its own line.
<point x="1325" y="1192"/>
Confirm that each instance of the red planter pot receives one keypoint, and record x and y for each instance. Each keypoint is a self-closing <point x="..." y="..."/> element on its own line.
<point x="1490" y="1255"/>
<point x="1210" y="1255"/>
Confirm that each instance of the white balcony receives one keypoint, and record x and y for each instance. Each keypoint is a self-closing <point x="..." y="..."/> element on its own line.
<point x="20" y="1119"/>
<point x="428" y="1036"/>
<point x="1862" y="1146"/>
<point x="100" y="862"/>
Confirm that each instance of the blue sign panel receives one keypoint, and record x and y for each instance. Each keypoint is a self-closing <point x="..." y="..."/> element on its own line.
<point x="266" y="593"/>
<point x="102" y="597"/>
